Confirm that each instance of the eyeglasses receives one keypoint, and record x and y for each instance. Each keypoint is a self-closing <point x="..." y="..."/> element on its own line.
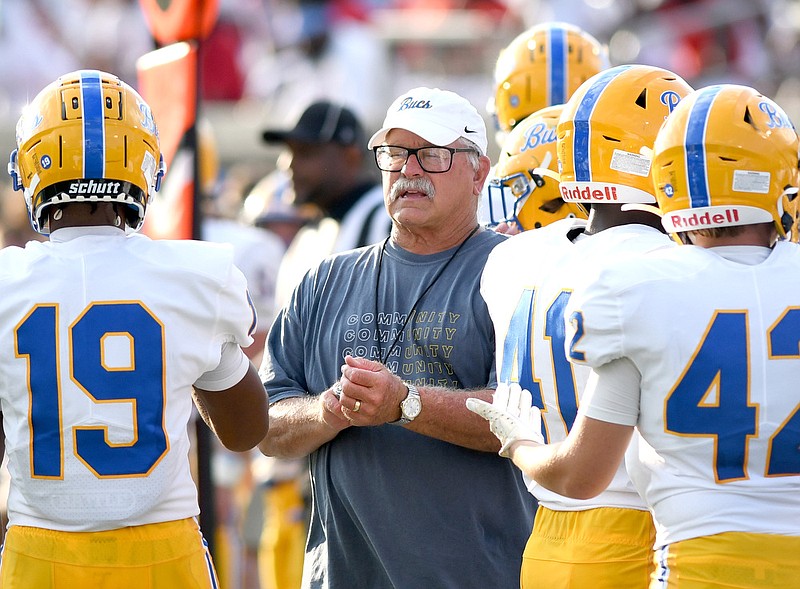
<point x="434" y="160"/>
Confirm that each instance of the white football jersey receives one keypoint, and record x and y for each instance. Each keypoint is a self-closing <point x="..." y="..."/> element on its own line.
<point x="526" y="284"/>
<point x="102" y="335"/>
<point x="716" y="343"/>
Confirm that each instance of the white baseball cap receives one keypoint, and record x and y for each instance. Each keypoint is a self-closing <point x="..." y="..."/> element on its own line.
<point x="438" y="116"/>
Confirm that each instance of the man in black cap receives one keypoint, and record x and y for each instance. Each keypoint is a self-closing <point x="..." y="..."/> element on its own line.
<point x="326" y="155"/>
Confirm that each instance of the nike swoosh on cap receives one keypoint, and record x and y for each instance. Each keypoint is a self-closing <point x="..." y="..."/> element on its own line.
<point x="469" y="130"/>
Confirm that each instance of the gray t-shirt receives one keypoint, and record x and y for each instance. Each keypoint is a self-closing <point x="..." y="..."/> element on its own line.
<point x="393" y="508"/>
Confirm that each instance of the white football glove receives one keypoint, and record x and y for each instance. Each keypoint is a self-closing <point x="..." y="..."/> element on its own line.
<point x="511" y="416"/>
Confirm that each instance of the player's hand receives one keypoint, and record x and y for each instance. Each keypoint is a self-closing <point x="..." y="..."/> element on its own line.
<point x="511" y="416"/>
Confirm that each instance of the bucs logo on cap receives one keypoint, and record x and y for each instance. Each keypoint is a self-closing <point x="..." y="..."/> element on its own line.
<point x="411" y="103"/>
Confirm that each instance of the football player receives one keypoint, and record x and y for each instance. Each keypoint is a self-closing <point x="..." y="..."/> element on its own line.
<point x="107" y="336"/>
<point x="541" y="67"/>
<point x="604" y="138"/>
<point x="697" y="348"/>
<point x="520" y="193"/>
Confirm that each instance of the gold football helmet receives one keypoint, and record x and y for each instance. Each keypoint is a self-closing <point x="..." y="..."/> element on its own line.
<point x="541" y="67"/>
<point x="529" y="198"/>
<point x="727" y="156"/>
<point x="87" y="137"/>
<point x="606" y="133"/>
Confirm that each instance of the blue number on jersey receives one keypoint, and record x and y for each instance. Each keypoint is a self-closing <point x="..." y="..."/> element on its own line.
<point x="517" y="349"/>
<point x="564" y="376"/>
<point x="517" y="358"/>
<point x="712" y="398"/>
<point x="784" y="343"/>
<point x="141" y="386"/>
<point x="36" y="338"/>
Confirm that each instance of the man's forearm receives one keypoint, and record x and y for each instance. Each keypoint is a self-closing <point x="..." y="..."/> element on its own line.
<point x="297" y="428"/>
<point x="446" y="417"/>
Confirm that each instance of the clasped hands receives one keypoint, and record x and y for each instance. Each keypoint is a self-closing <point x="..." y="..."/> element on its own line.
<point x="366" y="394"/>
<point x="511" y="416"/>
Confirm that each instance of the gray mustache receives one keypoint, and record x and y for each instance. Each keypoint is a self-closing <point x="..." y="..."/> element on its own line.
<point x="402" y="185"/>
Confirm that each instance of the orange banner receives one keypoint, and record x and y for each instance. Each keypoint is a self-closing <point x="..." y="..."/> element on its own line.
<point x="168" y="82"/>
<point x="171" y="21"/>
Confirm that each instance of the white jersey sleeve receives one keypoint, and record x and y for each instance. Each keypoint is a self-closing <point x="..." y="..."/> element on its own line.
<point x="231" y="369"/>
<point x="598" y="340"/>
<point x="619" y="382"/>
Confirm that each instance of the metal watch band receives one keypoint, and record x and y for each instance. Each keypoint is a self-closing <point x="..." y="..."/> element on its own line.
<point x="413" y="396"/>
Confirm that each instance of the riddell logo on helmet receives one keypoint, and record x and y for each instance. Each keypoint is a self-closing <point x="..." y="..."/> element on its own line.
<point x="699" y="221"/>
<point x="588" y="194"/>
<point x="92" y="187"/>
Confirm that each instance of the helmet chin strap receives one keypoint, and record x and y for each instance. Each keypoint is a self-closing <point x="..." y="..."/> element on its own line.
<point x="787" y="221"/>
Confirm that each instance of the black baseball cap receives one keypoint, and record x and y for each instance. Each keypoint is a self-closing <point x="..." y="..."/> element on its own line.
<point x="322" y="122"/>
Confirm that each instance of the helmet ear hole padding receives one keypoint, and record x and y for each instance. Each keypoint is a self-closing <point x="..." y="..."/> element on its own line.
<point x="787" y="221"/>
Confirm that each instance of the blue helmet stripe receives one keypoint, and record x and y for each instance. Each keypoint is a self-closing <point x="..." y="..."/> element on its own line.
<point x="93" y="126"/>
<point x="696" y="171"/>
<point x="557" y="74"/>
<point x="580" y="146"/>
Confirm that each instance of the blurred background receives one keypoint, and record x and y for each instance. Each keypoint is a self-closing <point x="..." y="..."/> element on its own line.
<point x="263" y="62"/>
<point x="267" y="59"/>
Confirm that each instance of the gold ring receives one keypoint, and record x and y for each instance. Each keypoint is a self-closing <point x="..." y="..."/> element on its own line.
<point x="357" y="406"/>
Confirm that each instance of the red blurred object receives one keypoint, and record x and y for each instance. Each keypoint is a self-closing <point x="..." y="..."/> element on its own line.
<point x="221" y="76"/>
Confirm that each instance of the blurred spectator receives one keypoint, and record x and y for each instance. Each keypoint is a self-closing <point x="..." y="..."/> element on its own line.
<point x="322" y="50"/>
<point x="270" y="205"/>
<point x="277" y="520"/>
<point x="258" y="254"/>
<point x="713" y="41"/>
<point x="41" y="39"/>
<point x="15" y="227"/>
<point x="327" y="162"/>
<point x="222" y="77"/>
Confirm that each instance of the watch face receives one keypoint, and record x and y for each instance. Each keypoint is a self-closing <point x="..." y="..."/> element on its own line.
<point x="412" y="407"/>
